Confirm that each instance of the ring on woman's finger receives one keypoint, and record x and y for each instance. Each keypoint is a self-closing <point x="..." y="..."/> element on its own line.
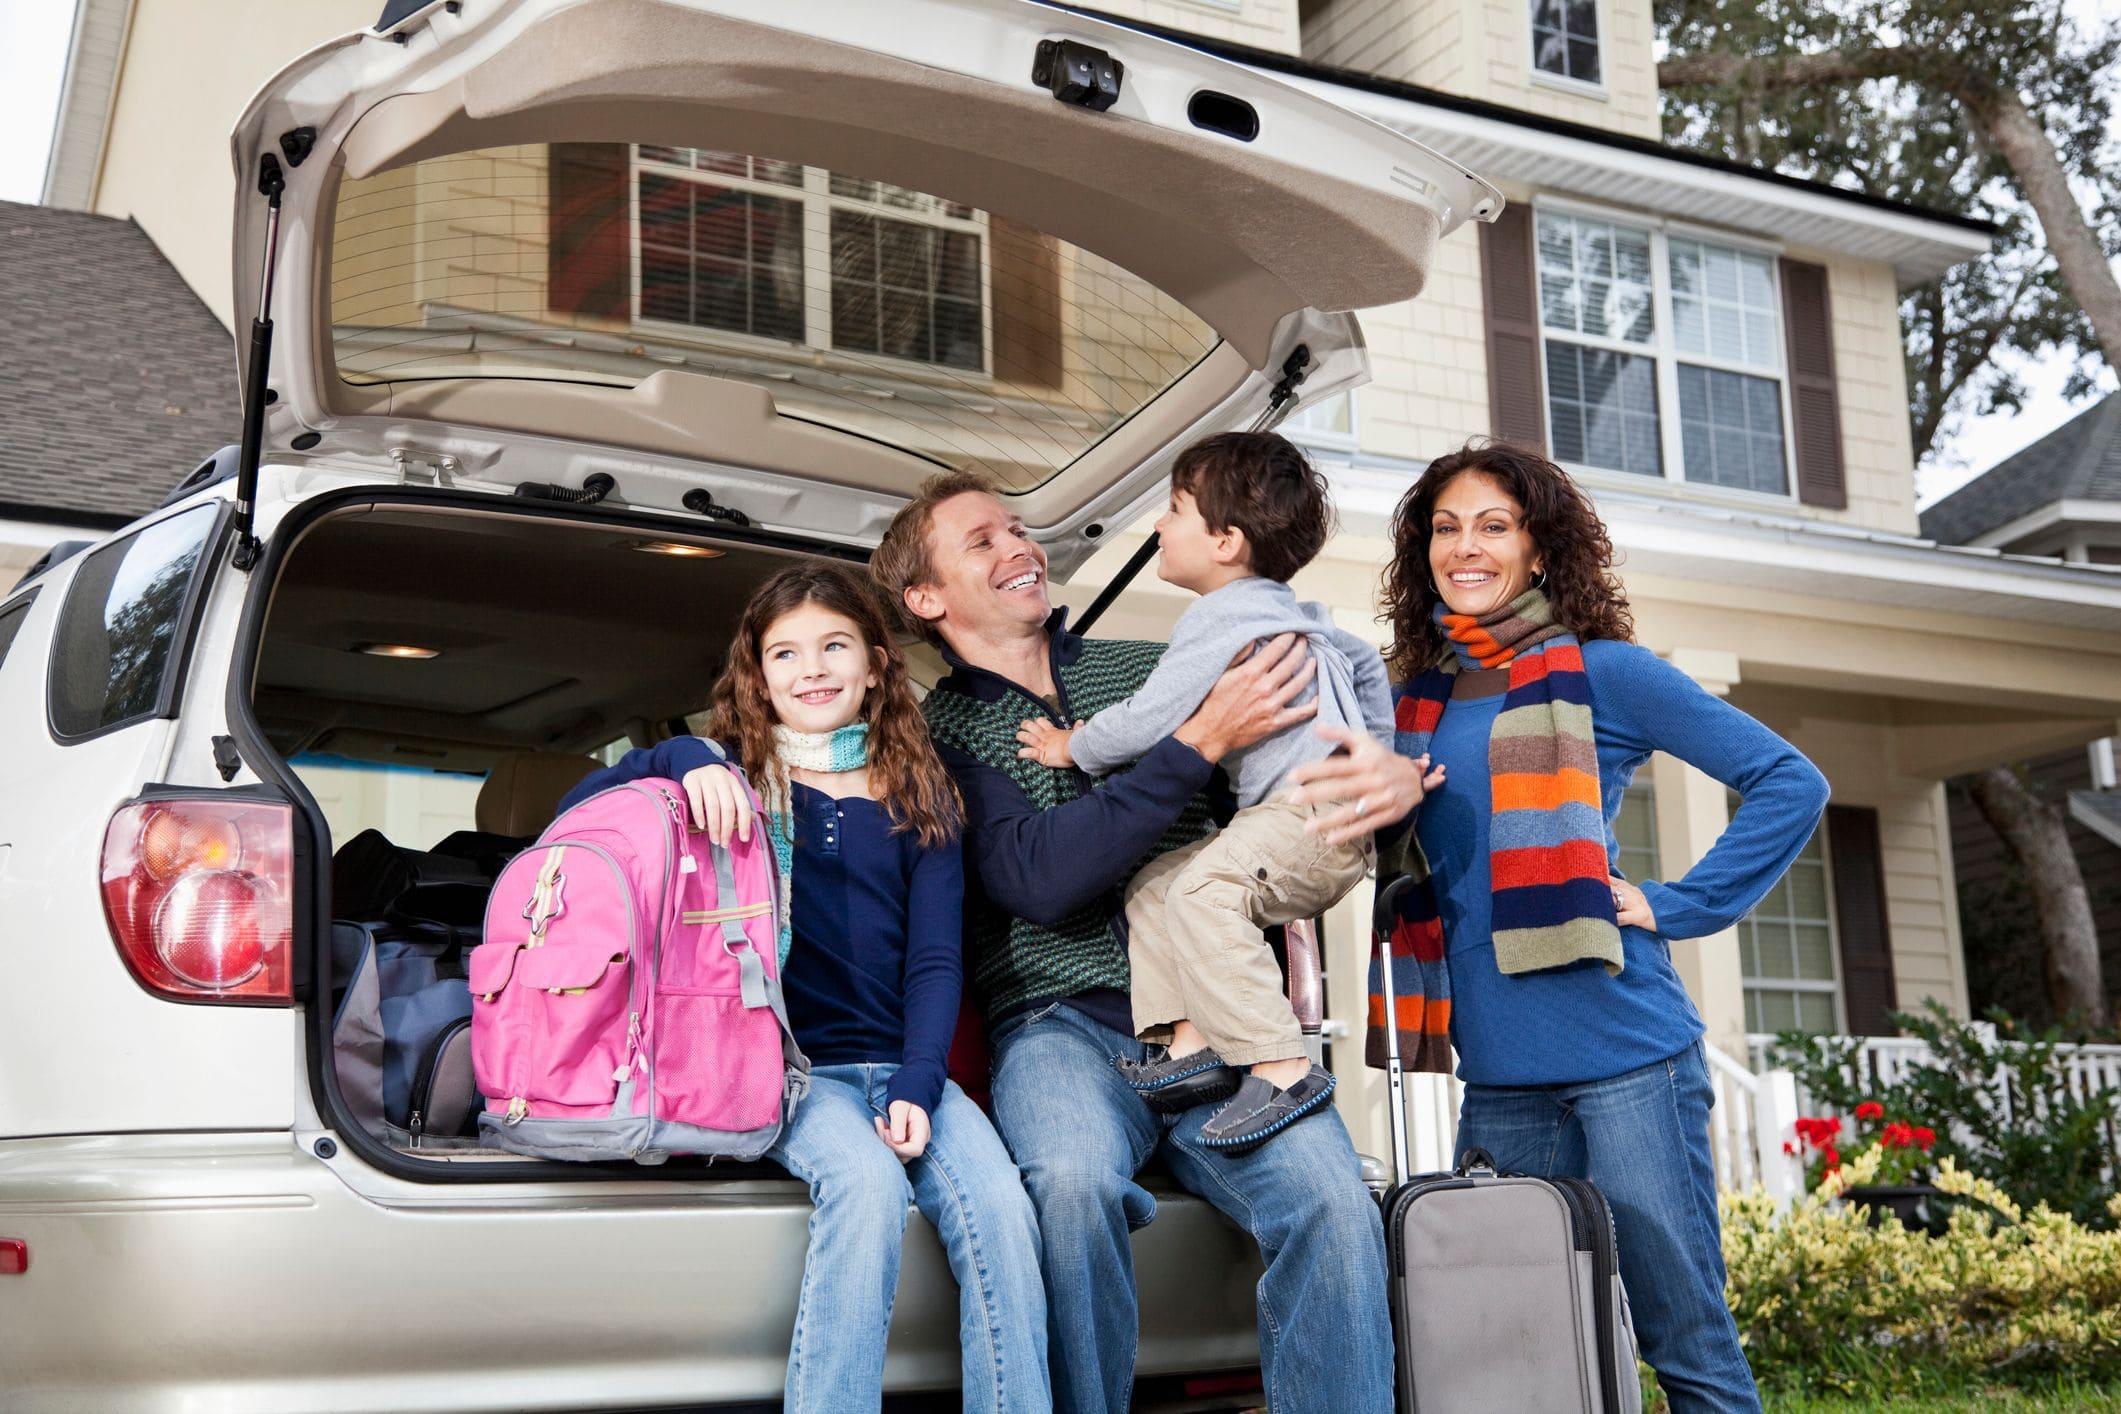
<point x="1619" y="900"/>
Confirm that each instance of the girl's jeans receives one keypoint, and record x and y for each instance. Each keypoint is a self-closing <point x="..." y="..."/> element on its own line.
<point x="967" y="1188"/>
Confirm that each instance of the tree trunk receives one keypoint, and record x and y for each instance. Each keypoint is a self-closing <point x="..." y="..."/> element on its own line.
<point x="2038" y="840"/>
<point x="2015" y="133"/>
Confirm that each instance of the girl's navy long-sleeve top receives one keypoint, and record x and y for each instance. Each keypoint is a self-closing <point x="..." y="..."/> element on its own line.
<point x="876" y="965"/>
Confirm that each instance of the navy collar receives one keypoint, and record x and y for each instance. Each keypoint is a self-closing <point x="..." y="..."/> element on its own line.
<point x="983" y="685"/>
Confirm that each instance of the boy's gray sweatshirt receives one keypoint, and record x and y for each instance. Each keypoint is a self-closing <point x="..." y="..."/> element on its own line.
<point x="1351" y="687"/>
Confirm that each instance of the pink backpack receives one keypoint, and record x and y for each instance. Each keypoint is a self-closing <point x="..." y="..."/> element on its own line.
<point x="626" y="1003"/>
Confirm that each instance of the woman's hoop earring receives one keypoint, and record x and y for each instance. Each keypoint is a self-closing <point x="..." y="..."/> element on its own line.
<point x="1539" y="579"/>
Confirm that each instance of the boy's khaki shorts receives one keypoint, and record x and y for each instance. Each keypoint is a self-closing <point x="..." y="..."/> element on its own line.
<point x="1194" y="918"/>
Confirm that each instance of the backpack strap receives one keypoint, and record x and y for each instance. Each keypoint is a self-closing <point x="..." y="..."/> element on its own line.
<point x="759" y="990"/>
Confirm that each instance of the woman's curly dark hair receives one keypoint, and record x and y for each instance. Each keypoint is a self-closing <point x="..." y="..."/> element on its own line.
<point x="1574" y="551"/>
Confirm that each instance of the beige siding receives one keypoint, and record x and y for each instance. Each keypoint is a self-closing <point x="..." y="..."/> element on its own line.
<point x="1428" y="385"/>
<point x="1264" y="24"/>
<point x="1483" y="49"/>
<point x="1871" y="378"/>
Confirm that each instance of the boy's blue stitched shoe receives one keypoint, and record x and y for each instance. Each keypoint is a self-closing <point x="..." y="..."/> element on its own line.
<point x="1174" y="1084"/>
<point x="1260" y="1110"/>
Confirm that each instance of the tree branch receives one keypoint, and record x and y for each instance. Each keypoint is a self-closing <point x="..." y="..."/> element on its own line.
<point x="1772" y="72"/>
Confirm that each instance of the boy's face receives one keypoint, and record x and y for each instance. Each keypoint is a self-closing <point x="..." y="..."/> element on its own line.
<point x="1194" y="556"/>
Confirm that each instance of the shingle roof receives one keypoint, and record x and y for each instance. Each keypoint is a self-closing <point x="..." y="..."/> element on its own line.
<point x="115" y="379"/>
<point x="2078" y="461"/>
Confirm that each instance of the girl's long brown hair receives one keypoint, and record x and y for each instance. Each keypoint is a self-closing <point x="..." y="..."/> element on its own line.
<point x="1574" y="551"/>
<point x="904" y="771"/>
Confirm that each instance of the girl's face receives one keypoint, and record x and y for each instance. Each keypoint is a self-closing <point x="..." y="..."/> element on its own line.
<point x="818" y="670"/>
<point x="1480" y="553"/>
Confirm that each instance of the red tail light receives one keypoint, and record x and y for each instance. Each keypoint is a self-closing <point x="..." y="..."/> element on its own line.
<point x="199" y="894"/>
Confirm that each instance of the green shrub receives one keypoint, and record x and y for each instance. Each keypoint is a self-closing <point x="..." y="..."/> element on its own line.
<point x="2004" y="1109"/>
<point x="1827" y="1302"/>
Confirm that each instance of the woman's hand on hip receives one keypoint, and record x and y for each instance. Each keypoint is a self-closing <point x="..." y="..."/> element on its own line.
<point x="1250" y="701"/>
<point x="720" y="804"/>
<point x="1631" y="906"/>
<point x="907" y="1132"/>
<point x="1373" y="785"/>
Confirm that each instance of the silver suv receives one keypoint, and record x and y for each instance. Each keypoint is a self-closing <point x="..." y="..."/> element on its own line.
<point x="574" y="319"/>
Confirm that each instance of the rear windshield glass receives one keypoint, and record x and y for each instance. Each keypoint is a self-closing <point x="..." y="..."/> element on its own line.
<point x="962" y="336"/>
<point x="118" y="630"/>
<point x="11" y="620"/>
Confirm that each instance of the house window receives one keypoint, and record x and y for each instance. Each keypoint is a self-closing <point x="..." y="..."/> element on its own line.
<point x="1328" y="425"/>
<point x="1637" y="322"/>
<point x="1565" y="39"/>
<point x="748" y="245"/>
<point x="1787" y="951"/>
<point x="1635" y="827"/>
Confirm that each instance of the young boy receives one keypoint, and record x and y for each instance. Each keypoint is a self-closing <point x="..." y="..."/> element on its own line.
<point x="1247" y="512"/>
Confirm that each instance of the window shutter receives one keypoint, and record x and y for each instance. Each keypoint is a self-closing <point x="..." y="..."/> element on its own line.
<point x="1509" y="283"/>
<point x="588" y="227"/>
<point x="1815" y="406"/>
<point x="1858" y="864"/>
<point x="1024" y="272"/>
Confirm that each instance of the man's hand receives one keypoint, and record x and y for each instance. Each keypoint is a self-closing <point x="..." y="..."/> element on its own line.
<point x="1045" y="742"/>
<point x="1373" y="785"/>
<point x="1250" y="701"/>
<point x="720" y="804"/>
<point x="907" y="1133"/>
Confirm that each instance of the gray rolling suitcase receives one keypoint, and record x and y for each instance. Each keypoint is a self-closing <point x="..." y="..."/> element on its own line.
<point x="1505" y="1288"/>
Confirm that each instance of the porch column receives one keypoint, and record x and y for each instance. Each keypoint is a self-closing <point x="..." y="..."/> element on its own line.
<point x="1692" y="810"/>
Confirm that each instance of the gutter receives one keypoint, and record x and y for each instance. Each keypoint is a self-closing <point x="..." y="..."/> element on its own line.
<point x="1290" y="66"/>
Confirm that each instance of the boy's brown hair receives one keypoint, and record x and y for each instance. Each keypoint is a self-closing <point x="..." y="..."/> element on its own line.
<point x="902" y="557"/>
<point x="1258" y="482"/>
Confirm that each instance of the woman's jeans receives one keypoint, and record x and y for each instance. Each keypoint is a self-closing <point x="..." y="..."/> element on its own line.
<point x="1643" y="1138"/>
<point x="968" y="1190"/>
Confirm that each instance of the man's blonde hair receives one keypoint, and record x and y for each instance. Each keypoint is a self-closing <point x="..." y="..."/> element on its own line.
<point x="903" y="557"/>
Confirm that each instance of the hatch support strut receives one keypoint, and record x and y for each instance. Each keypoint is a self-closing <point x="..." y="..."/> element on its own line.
<point x="271" y="182"/>
<point x="1293" y="371"/>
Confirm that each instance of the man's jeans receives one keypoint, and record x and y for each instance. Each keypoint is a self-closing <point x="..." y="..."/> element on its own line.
<point x="968" y="1190"/>
<point x="1080" y="1135"/>
<point x="1643" y="1138"/>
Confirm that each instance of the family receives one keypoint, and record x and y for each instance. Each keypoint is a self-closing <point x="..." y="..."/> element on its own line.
<point x="1099" y="832"/>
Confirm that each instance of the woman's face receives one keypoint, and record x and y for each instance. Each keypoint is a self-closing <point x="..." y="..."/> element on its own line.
<point x="1480" y="553"/>
<point x="817" y="668"/>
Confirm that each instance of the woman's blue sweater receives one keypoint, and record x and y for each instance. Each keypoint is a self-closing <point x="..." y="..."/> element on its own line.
<point x="1580" y="1022"/>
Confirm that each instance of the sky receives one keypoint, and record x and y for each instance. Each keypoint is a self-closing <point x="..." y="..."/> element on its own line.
<point x="33" y="39"/>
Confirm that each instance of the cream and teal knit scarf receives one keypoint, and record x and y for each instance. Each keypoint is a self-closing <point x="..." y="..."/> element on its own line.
<point x="841" y="749"/>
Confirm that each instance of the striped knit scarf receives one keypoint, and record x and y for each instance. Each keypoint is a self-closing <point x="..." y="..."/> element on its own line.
<point x="1552" y="900"/>
<point x="841" y="749"/>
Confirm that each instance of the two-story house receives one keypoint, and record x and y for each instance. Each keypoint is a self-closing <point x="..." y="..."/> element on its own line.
<point x="1714" y="350"/>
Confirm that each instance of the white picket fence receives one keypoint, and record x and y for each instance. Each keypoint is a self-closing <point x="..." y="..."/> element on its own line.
<point x="1883" y="1060"/>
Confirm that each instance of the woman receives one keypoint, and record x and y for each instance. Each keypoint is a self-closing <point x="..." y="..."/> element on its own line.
<point x="1580" y="1049"/>
<point x="864" y="823"/>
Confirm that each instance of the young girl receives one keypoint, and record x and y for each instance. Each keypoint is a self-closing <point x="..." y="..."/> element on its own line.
<point x="816" y="705"/>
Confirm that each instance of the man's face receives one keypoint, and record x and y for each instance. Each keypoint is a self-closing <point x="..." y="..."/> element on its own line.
<point x="988" y="574"/>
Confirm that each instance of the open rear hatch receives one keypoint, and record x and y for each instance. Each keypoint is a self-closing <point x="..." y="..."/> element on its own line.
<point x="802" y="256"/>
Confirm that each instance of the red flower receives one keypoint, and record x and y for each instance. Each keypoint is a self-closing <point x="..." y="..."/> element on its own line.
<point x="1898" y="1136"/>
<point x="1789" y="1148"/>
<point x="1870" y="1109"/>
<point x="1833" y="1160"/>
<point x="1925" y="1137"/>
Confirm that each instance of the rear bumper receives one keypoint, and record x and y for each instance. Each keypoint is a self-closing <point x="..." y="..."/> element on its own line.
<point x="240" y="1273"/>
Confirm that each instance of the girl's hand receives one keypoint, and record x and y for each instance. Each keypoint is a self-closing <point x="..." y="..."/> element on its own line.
<point x="1374" y="785"/>
<point x="1632" y="906"/>
<point x="720" y="804"/>
<point x="1045" y="743"/>
<point x="907" y="1133"/>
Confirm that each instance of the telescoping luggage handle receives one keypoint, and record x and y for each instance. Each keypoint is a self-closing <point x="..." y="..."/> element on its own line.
<point x="1395" y="1082"/>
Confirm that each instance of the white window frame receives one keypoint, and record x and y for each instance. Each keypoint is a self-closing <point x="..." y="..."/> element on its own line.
<point x="1564" y="82"/>
<point x="1663" y="348"/>
<point x="1748" y="983"/>
<point x="817" y="201"/>
<point x="1323" y="439"/>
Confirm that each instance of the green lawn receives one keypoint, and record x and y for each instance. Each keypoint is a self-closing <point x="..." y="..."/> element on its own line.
<point x="2063" y="1397"/>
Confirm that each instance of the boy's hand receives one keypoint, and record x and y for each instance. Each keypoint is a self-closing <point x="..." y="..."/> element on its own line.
<point x="1045" y="743"/>
<point x="720" y="805"/>
<point x="907" y="1133"/>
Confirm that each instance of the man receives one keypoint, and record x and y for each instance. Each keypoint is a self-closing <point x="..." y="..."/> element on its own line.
<point x="1050" y="855"/>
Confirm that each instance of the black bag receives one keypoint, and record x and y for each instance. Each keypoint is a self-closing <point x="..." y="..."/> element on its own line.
<point x="1504" y="1288"/>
